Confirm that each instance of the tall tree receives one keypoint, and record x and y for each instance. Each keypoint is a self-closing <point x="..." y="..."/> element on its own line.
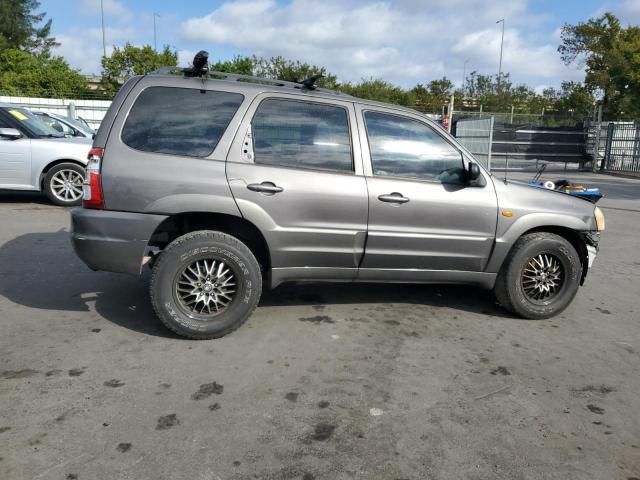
<point x="129" y="60"/>
<point x="294" y="71"/>
<point x="38" y="75"/>
<point x="611" y="55"/>
<point x="376" y="89"/>
<point x="238" y="64"/>
<point x="19" y="27"/>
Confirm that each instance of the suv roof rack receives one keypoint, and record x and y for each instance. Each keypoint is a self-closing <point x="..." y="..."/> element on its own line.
<point x="200" y="70"/>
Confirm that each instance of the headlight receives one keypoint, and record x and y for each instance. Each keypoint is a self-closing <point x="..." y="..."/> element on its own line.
<point x="599" y="219"/>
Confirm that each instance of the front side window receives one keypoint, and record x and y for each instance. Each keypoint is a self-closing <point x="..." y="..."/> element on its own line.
<point x="302" y="135"/>
<point x="403" y="147"/>
<point x="179" y="121"/>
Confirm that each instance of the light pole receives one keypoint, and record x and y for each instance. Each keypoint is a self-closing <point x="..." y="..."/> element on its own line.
<point x="464" y="75"/>
<point x="104" y="43"/>
<point x="501" y="47"/>
<point x="155" y="44"/>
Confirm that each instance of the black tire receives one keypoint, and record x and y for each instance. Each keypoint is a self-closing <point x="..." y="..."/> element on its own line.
<point x="510" y="288"/>
<point x="53" y="174"/>
<point x="196" y="247"/>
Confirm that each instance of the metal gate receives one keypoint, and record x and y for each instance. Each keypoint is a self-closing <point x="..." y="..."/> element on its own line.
<point x="477" y="137"/>
<point x="622" y="151"/>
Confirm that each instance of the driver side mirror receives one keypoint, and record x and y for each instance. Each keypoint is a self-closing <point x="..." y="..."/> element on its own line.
<point x="473" y="172"/>
<point x="10" y="133"/>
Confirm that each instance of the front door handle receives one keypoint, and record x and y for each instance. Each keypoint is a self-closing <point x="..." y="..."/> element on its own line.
<point x="394" y="197"/>
<point x="268" y="188"/>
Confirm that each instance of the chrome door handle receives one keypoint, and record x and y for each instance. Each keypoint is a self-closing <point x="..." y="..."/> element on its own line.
<point x="394" y="197"/>
<point x="265" y="187"/>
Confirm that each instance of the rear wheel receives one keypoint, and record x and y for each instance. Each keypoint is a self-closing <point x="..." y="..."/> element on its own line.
<point x="205" y="285"/>
<point x="63" y="184"/>
<point x="540" y="276"/>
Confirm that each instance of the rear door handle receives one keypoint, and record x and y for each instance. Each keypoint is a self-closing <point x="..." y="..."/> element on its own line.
<point x="269" y="188"/>
<point x="394" y="197"/>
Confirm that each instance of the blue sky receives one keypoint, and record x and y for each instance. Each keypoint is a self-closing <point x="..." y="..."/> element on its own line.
<point x="403" y="41"/>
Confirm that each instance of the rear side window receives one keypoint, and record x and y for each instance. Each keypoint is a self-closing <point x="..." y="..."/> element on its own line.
<point x="179" y="121"/>
<point x="302" y="135"/>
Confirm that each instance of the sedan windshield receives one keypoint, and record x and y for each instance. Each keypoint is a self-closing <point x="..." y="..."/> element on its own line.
<point x="32" y="123"/>
<point x="79" y="123"/>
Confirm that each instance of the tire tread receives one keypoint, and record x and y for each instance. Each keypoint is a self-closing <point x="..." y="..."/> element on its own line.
<point x="501" y="288"/>
<point x="214" y="236"/>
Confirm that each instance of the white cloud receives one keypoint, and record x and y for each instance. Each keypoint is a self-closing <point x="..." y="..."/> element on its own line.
<point x="82" y="48"/>
<point x="406" y="41"/>
<point x="185" y="57"/>
<point x="112" y="8"/>
<point x="520" y="56"/>
<point x="629" y="12"/>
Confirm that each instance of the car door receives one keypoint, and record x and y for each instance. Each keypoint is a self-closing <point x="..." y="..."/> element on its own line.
<point x="422" y="216"/>
<point x="15" y="156"/>
<point x="295" y="170"/>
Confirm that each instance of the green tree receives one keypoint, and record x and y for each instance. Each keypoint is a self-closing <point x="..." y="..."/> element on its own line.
<point x="376" y="89"/>
<point x="575" y="97"/>
<point x="279" y="68"/>
<point x="38" y="75"/>
<point x="18" y="27"/>
<point x="129" y="60"/>
<point x="240" y="65"/>
<point x="611" y="55"/>
<point x="439" y="92"/>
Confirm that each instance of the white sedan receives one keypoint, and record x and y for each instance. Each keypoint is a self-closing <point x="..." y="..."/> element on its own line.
<point x="36" y="157"/>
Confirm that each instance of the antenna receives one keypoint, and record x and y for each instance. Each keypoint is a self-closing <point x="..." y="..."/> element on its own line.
<point x="310" y="82"/>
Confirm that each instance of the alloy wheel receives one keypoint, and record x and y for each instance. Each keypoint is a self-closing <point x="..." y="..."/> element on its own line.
<point x="542" y="278"/>
<point x="206" y="287"/>
<point x="66" y="185"/>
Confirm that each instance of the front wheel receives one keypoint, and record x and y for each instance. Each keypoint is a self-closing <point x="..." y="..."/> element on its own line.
<point x="540" y="276"/>
<point x="63" y="184"/>
<point x="205" y="285"/>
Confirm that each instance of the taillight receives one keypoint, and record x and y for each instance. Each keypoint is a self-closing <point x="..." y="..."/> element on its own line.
<point x="92" y="186"/>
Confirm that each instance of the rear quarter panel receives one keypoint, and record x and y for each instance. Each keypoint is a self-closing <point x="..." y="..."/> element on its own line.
<point x="138" y="181"/>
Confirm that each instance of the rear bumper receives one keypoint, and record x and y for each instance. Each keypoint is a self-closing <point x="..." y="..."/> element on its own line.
<point x="112" y="241"/>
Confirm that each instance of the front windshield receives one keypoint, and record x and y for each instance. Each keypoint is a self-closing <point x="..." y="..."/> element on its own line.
<point x="80" y="123"/>
<point x="32" y="123"/>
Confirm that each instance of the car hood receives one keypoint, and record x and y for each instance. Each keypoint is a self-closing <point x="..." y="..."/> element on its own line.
<point x="528" y="199"/>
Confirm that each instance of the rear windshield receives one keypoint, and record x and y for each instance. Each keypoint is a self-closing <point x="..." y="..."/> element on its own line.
<point x="179" y="121"/>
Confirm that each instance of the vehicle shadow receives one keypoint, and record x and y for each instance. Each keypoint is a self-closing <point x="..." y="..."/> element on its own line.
<point x="40" y="270"/>
<point x="14" y="196"/>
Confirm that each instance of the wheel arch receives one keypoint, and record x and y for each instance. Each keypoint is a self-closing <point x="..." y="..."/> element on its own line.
<point x="53" y="163"/>
<point x="182" y="223"/>
<point x="574" y="237"/>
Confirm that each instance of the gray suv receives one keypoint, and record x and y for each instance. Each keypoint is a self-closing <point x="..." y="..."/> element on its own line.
<point x="224" y="183"/>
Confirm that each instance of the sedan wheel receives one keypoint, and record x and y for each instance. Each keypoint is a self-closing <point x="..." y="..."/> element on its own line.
<point x="63" y="184"/>
<point x="67" y="185"/>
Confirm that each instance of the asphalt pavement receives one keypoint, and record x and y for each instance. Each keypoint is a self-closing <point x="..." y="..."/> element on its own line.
<point x="323" y="382"/>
